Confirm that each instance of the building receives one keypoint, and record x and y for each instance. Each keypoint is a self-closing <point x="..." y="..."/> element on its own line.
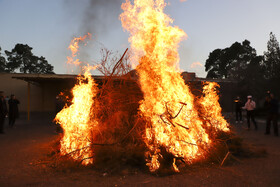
<point x="37" y="92"/>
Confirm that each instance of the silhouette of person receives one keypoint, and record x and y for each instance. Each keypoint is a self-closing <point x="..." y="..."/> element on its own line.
<point x="3" y="112"/>
<point x="238" y="110"/>
<point x="272" y="114"/>
<point x="13" y="110"/>
<point x="59" y="104"/>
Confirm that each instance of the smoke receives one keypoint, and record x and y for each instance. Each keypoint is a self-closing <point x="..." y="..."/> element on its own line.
<point x="95" y="16"/>
<point x="98" y="17"/>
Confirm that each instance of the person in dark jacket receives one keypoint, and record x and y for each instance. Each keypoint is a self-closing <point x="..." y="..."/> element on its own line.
<point x="13" y="110"/>
<point x="272" y="105"/>
<point x="3" y="112"/>
<point x="59" y="104"/>
<point x="238" y="110"/>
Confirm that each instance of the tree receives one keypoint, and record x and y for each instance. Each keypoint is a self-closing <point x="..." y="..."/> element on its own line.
<point x="42" y="66"/>
<point x="252" y="80"/>
<point x="271" y="65"/>
<point x="22" y="59"/>
<point x="215" y="66"/>
<point x="2" y="63"/>
<point x="242" y="58"/>
<point x="272" y="59"/>
<point x="230" y="62"/>
<point x="240" y="63"/>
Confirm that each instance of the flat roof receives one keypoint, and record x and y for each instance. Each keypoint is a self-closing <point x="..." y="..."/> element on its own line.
<point x="41" y="78"/>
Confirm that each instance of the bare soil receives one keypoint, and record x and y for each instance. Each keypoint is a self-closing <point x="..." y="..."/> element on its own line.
<point x="24" y="151"/>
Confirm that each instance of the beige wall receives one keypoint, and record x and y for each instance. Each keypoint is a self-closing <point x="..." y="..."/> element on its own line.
<point x="20" y="89"/>
<point x="49" y="92"/>
<point x="42" y="96"/>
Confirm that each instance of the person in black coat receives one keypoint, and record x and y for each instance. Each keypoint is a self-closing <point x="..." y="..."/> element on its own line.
<point x="13" y="110"/>
<point x="238" y="110"/>
<point x="3" y="112"/>
<point x="272" y="105"/>
<point x="59" y="104"/>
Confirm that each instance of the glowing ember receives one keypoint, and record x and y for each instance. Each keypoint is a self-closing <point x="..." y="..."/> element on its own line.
<point x="76" y="120"/>
<point x="173" y="123"/>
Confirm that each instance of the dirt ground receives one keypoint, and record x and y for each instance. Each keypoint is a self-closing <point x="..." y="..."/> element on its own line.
<point x="23" y="150"/>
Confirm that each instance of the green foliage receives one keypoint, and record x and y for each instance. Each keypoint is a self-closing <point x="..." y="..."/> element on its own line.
<point x="272" y="58"/>
<point x="240" y="63"/>
<point x="215" y="66"/>
<point x="22" y="59"/>
<point x="271" y="65"/>
<point x="230" y="62"/>
<point x="2" y="63"/>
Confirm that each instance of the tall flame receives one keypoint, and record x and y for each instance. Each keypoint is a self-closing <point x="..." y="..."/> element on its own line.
<point x="76" y="120"/>
<point x="211" y="108"/>
<point x="174" y="125"/>
<point x="168" y="103"/>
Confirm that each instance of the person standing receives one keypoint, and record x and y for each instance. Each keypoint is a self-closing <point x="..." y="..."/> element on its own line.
<point x="250" y="106"/>
<point x="238" y="110"/>
<point x="272" y="114"/>
<point x="13" y="110"/>
<point x="3" y="112"/>
<point x="59" y="104"/>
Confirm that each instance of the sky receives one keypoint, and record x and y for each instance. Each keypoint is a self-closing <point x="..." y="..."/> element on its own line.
<point x="48" y="26"/>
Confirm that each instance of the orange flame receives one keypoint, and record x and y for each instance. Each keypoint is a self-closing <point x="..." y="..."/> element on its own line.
<point x="76" y="120"/>
<point x="174" y="126"/>
<point x="168" y="102"/>
<point x="74" y="48"/>
<point x="173" y="122"/>
<point x="212" y="109"/>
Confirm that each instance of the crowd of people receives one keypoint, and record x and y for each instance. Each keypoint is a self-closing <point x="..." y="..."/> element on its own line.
<point x="10" y="110"/>
<point x="271" y="106"/>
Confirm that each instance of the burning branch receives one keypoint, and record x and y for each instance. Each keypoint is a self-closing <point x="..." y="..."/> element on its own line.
<point x="119" y="67"/>
<point x="118" y="63"/>
<point x="169" y="116"/>
<point x="120" y="114"/>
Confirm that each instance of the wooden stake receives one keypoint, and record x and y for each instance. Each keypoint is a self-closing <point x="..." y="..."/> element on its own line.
<point x="225" y="158"/>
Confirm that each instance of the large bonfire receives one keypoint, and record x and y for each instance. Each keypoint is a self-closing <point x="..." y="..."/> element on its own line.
<point x="175" y="123"/>
<point x="168" y="106"/>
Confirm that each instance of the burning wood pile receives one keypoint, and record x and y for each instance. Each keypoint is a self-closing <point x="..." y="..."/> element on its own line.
<point x="158" y="120"/>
